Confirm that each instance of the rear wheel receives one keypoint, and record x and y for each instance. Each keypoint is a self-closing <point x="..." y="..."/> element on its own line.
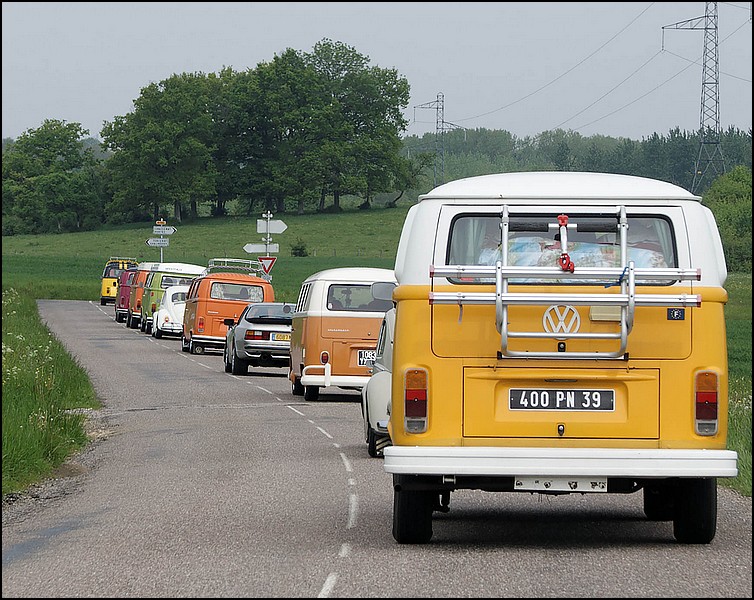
<point x="311" y="393"/>
<point x="659" y="501"/>
<point x="142" y="325"/>
<point x="184" y="344"/>
<point x="695" y="515"/>
<point x="226" y="359"/>
<point x="238" y="366"/>
<point x="296" y="388"/>
<point x="376" y="443"/>
<point x="412" y="514"/>
<point x="156" y="332"/>
<point x="195" y="348"/>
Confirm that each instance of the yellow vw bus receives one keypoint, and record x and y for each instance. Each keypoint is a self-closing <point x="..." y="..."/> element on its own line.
<point x="114" y="266"/>
<point x="560" y="333"/>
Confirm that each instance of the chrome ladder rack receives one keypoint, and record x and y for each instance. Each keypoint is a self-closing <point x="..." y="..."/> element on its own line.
<point x="625" y="276"/>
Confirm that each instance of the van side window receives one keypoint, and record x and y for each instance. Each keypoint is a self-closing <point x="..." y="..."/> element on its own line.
<point x="533" y="242"/>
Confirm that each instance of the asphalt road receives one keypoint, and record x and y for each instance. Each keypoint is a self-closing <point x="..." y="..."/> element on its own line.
<point x="204" y="484"/>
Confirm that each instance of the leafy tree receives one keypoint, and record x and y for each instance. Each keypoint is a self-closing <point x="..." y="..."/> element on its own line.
<point x="163" y="150"/>
<point x="360" y="151"/>
<point x="48" y="183"/>
<point x="729" y="199"/>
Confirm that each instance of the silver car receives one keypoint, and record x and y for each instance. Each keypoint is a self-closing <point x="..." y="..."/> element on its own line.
<point x="260" y="338"/>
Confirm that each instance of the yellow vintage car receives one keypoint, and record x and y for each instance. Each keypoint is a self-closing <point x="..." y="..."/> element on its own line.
<point x="114" y="266"/>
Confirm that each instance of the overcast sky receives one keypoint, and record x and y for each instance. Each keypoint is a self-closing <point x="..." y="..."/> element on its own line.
<point x="594" y="67"/>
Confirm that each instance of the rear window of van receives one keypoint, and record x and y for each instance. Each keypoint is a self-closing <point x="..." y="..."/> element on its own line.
<point x="533" y="242"/>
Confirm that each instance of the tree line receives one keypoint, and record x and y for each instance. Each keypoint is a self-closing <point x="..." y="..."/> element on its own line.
<point x="298" y="133"/>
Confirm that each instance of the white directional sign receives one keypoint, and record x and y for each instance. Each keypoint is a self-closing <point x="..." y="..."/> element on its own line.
<point x="158" y="242"/>
<point x="163" y="229"/>
<point x="257" y="248"/>
<point x="272" y="226"/>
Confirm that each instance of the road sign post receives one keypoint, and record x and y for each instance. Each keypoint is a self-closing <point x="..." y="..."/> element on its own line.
<point x="267" y="226"/>
<point x="161" y="229"/>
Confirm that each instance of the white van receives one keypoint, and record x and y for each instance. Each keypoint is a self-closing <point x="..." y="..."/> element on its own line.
<point x="335" y="327"/>
<point x="559" y="333"/>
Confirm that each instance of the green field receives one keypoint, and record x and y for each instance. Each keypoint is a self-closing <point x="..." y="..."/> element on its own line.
<point x="69" y="267"/>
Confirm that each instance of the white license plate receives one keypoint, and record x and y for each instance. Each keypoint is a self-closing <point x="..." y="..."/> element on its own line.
<point x="561" y="400"/>
<point x="561" y="484"/>
<point x="366" y="357"/>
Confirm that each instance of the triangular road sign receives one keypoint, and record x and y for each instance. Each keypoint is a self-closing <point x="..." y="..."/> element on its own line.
<point x="267" y="263"/>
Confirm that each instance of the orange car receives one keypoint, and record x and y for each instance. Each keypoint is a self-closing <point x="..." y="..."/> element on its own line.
<point x="222" y="292"/>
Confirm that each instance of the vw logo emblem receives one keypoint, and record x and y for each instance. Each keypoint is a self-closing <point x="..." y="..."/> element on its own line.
<point x="561" y="319"/>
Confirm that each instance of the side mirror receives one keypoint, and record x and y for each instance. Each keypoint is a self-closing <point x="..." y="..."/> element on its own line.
<point x="229" y="322"/>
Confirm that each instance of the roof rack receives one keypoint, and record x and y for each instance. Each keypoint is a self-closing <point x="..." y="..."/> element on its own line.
<point x="624" y="276"/>
<point x="122" y="258"/>
<point x="235" y="265"/>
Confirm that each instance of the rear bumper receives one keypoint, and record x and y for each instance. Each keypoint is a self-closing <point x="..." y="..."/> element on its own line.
<point x="560" y="462"/>
<point x="322" y="376"/>
<point x="209" y="341"/>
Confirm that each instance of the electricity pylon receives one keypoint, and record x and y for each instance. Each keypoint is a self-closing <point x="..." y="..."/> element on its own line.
<point x="440" y="127"/>
<point x="710" y="155"/>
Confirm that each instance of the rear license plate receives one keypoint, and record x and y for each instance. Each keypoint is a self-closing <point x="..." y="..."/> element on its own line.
<point x="561" y="484"/>
<point x="553" y="399"/>
<point x="281" y="337"/>
<point x="366" y="358"/>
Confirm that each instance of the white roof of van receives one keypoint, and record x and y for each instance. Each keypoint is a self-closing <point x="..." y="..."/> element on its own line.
<point x="356" y="274"/>
<point x="559" y="185"/>
<point x="177" y="267"/>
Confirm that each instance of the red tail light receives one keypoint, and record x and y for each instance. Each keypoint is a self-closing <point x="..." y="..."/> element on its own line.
<point x="324" y="357"/>
<point x="253" y="334"/>
<point x="706" y="390"/>
<point x="200" y="325"/>
<point x="415" y="400"/>
<point x="154" y="307"/>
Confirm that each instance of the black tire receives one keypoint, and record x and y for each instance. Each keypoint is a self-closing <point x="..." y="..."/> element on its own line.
<point x="376" y="443"/>
<point x="695" y="518"/>
<point x="226" y="360"/>
<point x="142" y="325"/>
<point x="296" y="388"/>
<point x="184" y="344"/>
<point x="311" y="393"/>
<point x="156" y="332"/>
<point x="659" y="501"/>
<point x="238" y="366"/>
<point x="195" y="348"/>
<point x="102" y="301"/>
<point x="412" y="514"/>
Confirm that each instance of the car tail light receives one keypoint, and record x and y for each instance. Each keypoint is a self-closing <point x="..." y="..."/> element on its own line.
<point x="154" y="307"/>
<point x="706" y="390"/>
<point x="253" y="334"/>
<point x="415" y="400"/>
<point x="324" y="357"/>
<point x="200" y="325"/>
<point x="166" y="319"/>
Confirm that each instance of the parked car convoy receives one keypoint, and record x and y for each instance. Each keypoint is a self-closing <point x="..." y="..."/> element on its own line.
<point x="125" y="284"/>
<point x="222" y="292"/>
<point x="114" y="266"/>
<point x="168" y="320"/>
<point x="261" y="337"/>
<point x="334" y="331"/>
<point x="162" y="276"/>
<point x="559" y="333"/>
